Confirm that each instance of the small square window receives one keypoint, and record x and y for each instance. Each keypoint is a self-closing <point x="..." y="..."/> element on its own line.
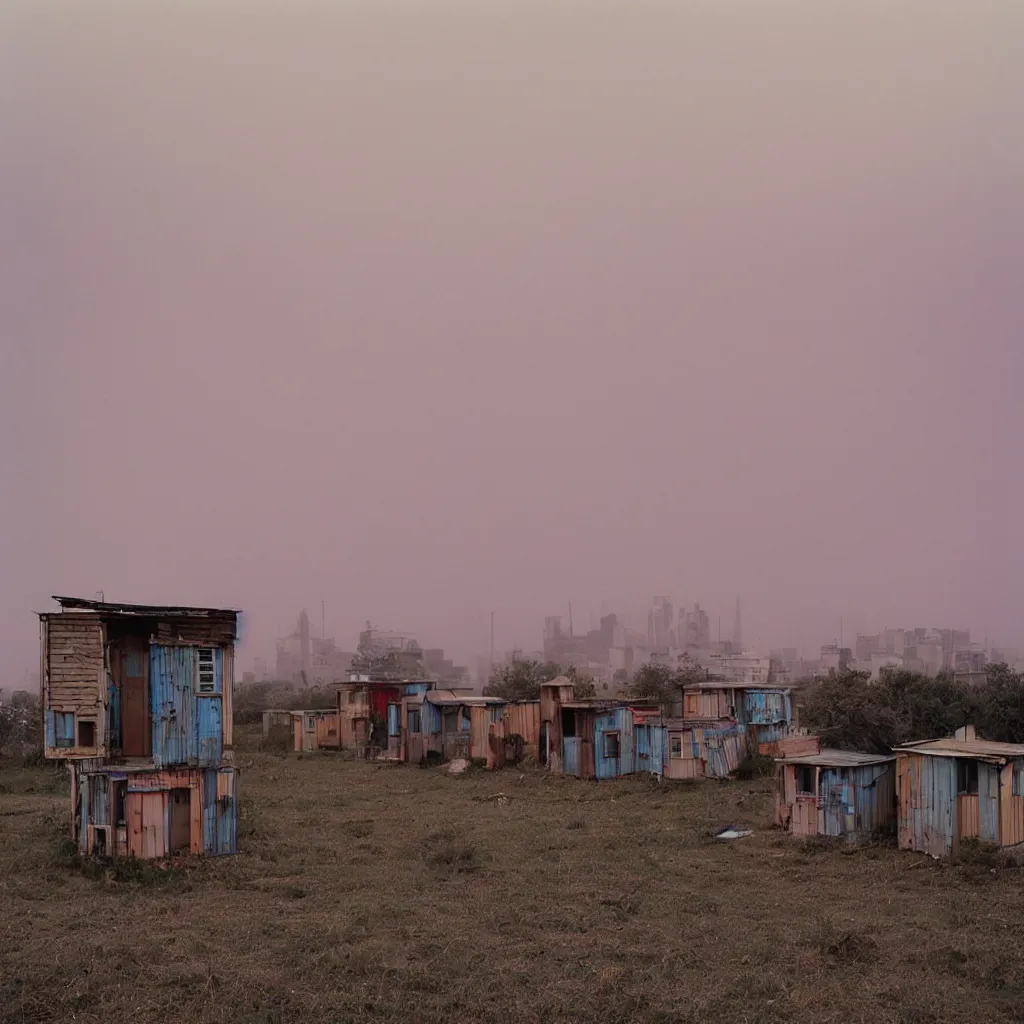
<point x="966" y="776"/>
<point x="206" y="680"/>
<point x="805" y="779"/>
<point x="675" y="746"/>
<point x="1018" y="778"/>
<point x="64" y="728"/>
<point x="86" y="733"/>
<point x="414" y="725"/>
<point x="611" y="746"/>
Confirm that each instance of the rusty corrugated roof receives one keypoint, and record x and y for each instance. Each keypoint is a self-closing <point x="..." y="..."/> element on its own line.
<point x="449" y="698"/>
<point x="950" y="747"/>
<point x="147" y="610"/>
<point x="837" y="758"/>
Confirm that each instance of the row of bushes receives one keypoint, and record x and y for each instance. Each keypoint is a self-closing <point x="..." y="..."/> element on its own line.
<point x="21" y="734"/>
<point x="252" y="699"/>
<point x="851" y="712"/>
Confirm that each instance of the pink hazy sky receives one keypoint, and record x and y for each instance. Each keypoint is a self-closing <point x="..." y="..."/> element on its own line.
<point x="428" y="309"/>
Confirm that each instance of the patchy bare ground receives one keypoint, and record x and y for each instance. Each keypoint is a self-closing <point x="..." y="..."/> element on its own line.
<point x="367" y="893"/>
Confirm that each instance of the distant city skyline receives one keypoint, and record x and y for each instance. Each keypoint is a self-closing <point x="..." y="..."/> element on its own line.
<point x="587" y="305"/>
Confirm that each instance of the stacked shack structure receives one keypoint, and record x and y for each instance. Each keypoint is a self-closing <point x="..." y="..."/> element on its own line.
<point x="137" y="700"/>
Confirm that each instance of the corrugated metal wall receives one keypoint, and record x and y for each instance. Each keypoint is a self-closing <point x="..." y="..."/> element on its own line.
<point x="926" y="794"/>
<point x="220" y="812"/>
<point x="988" y="803"/>
<point x="706" y="704"/>
<point x="1011" y="804"/>
<point x="875" y="797"/>
<point x="607" y="766"/>
<point x="765" y="707"/>
<point x="523" y="719"/>
<point x="571" y="755"/>
<point x="187" y="729"/>
<point x="649" y="748"/>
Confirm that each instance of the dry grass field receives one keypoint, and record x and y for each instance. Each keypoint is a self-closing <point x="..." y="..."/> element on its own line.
<point x="366" y="893"/>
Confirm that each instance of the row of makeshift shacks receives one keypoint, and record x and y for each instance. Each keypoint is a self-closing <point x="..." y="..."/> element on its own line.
<point x="934" y="794"/>
<point x="717" y="726"/>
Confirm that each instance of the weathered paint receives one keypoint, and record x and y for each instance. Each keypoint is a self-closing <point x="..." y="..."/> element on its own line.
<point x="327" y="729"/>
<point x="791" y="745"/>
<point x="220" y="812"/>
<point x="73" y="682"/>
<point x="1011" y="804"/>
<point x="766" y="707"/>
<point x="708" y="704"/>
<point x="523" y="719"/>
<point x="855" y="802"/>
<point x="608" y="765"/>
<point x="147" y="827"/>
<point x="926" y="800"/>
<point x="571" y="755"/>
<point x="187" y="727"/>
<point x="649" y="751"/>
<point x="988" y="803"/>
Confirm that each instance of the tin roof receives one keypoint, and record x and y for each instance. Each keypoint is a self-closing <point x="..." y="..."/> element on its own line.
<point x="950" y="747"/>
<point x="450" y="698"/>
<point x="147" y="610"/>
<point x="601" y="704"/>
<point x="838" y="759"/>
<point x="728" y="684"/>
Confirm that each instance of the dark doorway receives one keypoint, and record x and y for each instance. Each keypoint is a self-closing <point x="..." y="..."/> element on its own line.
<point x="181" y="820"/>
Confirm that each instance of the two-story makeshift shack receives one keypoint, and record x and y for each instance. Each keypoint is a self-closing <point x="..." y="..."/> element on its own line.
<point x="137" y="698"/>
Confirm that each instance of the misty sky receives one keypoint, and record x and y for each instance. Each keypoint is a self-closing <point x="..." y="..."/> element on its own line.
<point x="429" y="309"/>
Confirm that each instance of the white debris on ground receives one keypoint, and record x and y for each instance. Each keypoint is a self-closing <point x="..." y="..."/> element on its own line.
<point x="458" y="766"/>
<point x="734" y="833"/>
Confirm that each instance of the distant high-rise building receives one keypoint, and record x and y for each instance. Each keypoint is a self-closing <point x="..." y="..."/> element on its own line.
<point x="695" y="629"/>
<point x="305" y="649"/>
<point x="660" y="634"/>
<point x="737" y="631"/>
<point x="302" y="658"/>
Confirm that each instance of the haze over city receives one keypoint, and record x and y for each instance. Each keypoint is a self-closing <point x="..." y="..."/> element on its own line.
<point x="429" y="311"/>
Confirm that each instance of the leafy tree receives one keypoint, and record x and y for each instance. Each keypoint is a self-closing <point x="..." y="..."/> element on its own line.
<point x="20" y="724"/>
<point x="849" y="711"/>
<point x="520" y="679"/>
<point x="998" y="705"/>
<point x="582" y="683"/>
<point x="654" y="682"/>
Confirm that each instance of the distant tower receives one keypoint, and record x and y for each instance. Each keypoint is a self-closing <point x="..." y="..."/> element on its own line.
<point x="737" y="630"/>
<point x="304" y="647"/>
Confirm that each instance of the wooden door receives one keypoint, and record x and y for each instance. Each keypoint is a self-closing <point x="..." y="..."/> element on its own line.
<point x="147" y="835"/>
<point x="136" y="734"/>
<point x="181" y="820"/>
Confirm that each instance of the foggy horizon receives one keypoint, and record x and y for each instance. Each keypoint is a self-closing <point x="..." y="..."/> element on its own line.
<point x="429" y="311"/>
